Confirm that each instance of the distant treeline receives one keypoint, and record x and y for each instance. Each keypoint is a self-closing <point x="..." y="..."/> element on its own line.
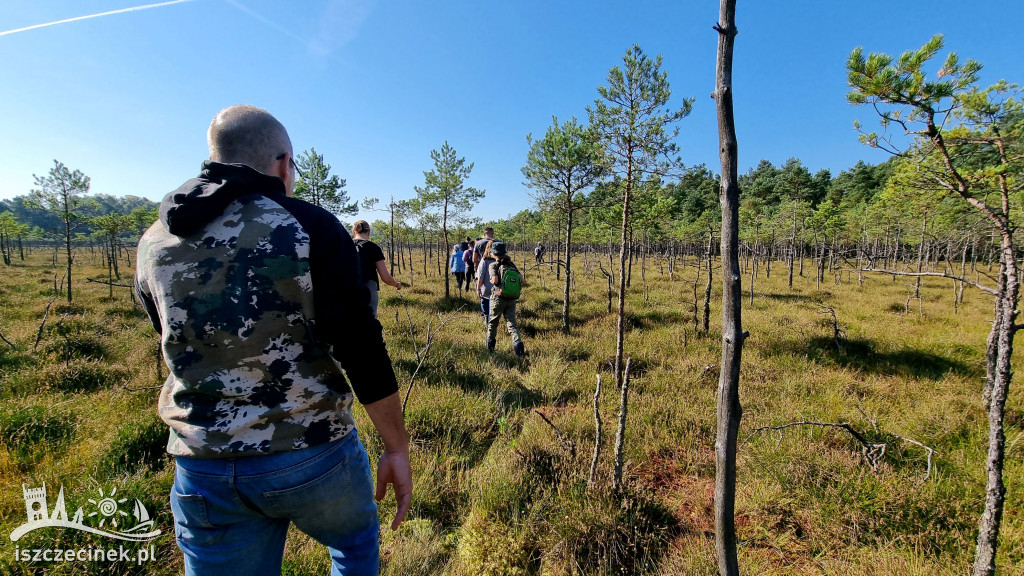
<point x="43" y="224"/>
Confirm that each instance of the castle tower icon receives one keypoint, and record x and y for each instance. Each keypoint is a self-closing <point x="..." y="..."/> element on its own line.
<point x="35" y="503"/>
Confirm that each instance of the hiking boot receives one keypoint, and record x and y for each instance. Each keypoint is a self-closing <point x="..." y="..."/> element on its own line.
<point x="519" y="349"/>
<point x="490" y="345"/>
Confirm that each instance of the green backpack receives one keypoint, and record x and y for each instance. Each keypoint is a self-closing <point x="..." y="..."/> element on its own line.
<point x="511" y="281"/>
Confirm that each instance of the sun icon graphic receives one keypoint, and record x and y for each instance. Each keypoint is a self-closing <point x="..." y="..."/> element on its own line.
<point x="108" y="507"/>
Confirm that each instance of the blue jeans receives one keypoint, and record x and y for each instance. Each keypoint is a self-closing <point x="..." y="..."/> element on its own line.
<point x="485" y="307"/>
<point x="231" y="514"/>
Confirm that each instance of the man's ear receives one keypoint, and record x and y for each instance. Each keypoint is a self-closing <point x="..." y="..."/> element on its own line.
<point x="281" y="167"/>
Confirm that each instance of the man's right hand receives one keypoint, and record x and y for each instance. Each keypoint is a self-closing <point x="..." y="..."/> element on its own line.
<point x="394" y="468"/>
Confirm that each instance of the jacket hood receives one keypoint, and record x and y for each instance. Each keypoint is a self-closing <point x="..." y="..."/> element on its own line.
<point x="198" y="201"/>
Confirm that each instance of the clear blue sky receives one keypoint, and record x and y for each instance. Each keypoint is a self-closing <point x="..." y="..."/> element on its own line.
<point x="374" y="86"/>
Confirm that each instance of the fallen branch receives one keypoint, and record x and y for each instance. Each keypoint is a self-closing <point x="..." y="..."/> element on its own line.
<point x="872" y="451"/>
<point x="981" y="287"/>
<point x="104" y="282"/>
<point x="561" y="436"/>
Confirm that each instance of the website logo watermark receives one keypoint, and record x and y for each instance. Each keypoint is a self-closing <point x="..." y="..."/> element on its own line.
<point x="106" y="516"/>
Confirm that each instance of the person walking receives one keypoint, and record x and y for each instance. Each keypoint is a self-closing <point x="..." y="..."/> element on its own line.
<point x="372" y="263"/>
<point x="538" y="253"/>
<point x="258" y="304"/>
<point x="507" y="286"/>
<point x="483" y="280"/>
<point x="457" y="266"/>
<point x="467" y="260"/>
<point x="481" y="244"/>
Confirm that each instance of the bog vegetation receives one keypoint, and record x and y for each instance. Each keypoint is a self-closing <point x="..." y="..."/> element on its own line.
<point x="499" y="490"/>
<point x="864" y="441"/>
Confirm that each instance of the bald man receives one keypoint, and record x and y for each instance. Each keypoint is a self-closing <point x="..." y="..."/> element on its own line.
<point x="258" y="299"/>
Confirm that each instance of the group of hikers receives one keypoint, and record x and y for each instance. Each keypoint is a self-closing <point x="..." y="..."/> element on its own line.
<point x="498" y="283"/>
<point x="483" y="262"/>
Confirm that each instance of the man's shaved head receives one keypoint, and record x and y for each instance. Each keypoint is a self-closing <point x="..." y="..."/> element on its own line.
<point x="247" y="135"/>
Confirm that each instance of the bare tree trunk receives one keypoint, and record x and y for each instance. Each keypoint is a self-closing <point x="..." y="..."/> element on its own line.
<point x="620" y="432"/>
<point x="629" y="270"/>
<point x="706" y="320"/>
<point x="920" y="257"/>
<point x="729" y="409"/>
<point x="568" y="272"/>
<point x="753" y="269"/>
<point x="623" y="247"/>
<point x="67" y="239"/>
<point x="995" y="490"/>
<point x="558" y="250"/>
<point x="391" y="232"/>
<point x="447" y="269"/>
<point x="792" y="253"/>
<point x="597" y="433"/>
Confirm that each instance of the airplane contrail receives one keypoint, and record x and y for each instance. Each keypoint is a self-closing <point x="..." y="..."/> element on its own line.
<point x="121" y="11"/>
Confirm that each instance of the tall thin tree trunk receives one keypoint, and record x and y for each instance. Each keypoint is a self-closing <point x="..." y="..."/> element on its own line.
<point x="792" y="253"/>
<point x="67" y="239"/>
<point x="753" y="269"/>
<point x="995" y="490"/>
<point x="391" y="231"/>
<point x="568" y="272"/>
<point x="920" y="257"/>
<point x="706" y="320"/>
<point x="629" y="269"/>
<point x="729" y="409"/>
<point x="623" y="248"/>
<point x="447" y="248"/>
<point x="558" y="250"/>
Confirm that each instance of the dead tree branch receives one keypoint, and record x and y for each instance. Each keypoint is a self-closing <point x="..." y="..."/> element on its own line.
<point x="105" y="283"/>
<point x="561" y="436"/>
<point x="9" y="343"/>
<point x="981" y="287"/>
<point x="610" y="278"/>
<point x="620" y="434"/>
<point x="597" y="433"/>
<point x="46" y="313"/>
<point x="838" y="334"/>
<point x="873" y="452"/>
<point x="421" y="355"/>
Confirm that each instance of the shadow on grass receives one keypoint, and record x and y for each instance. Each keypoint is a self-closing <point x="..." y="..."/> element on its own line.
<point x="652" y="319"/>
<point x="860" y="354"/>
<point x="454" y="304"/>
<point x="788" y="297"/>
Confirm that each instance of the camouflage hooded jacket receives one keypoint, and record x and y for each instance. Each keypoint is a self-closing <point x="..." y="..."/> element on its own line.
<point x="259" y="304"/>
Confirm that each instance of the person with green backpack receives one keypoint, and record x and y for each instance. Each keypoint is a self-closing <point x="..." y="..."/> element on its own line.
<point x="507" y="286"/>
